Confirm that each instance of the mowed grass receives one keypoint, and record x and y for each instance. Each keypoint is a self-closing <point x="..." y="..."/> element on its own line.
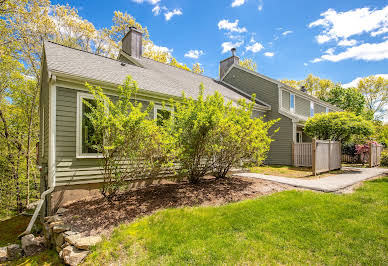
<point x="291" y="227"/>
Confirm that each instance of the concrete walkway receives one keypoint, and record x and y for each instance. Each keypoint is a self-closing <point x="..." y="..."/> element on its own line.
<point x="325" y="184"/>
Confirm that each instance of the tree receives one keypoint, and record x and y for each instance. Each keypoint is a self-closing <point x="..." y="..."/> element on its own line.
<point x="197" y="68"/>
<point x="348" y="99"/>
<point x="132" y="145"/>
<point x="248" y="63"/>
<point x="313" y="85"/>
<point x="338" y="126"/>
<point x="375" y="91"/>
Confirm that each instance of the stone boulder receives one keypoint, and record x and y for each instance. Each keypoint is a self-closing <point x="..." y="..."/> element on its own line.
<point x="86" y="242"/>
<point x="14" y="252"/>
<point x="32" y="245"/>
<point x="3" y="254"/>
<point x="59" y="228"/>
<point x="73" y="256"/>
<point x="61" y="211"/>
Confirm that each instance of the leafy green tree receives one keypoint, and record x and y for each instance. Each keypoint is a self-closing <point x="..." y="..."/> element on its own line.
<point x="132" y="145"/>
<point x="375" y="91"/>
<point x="349" y="99"/>
<point x="338" y="126"/>
<point x="313" y="85"/>
<point x="248" y="63"/>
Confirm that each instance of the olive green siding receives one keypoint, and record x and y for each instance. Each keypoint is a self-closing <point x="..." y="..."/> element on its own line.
<point x="319" y="109"/>
<point x="72" y="170"/>
<point x="302" y="106"/>
<point x="286" y="100"/>
<point x="267" y="91"/>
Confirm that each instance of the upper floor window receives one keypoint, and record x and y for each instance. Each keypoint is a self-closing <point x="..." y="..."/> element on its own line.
<point x="311" y="109"/>
<point x="292" y="103"/>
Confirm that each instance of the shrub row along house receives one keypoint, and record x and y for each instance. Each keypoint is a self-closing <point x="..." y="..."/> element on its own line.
<point x="69" y="166"/>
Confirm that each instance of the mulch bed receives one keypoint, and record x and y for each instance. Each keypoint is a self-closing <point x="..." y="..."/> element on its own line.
<point x="98" y="216"/>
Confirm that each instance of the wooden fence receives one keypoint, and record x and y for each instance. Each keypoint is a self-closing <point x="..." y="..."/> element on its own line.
<point x="374" y="154"/>
<point x="320" y="155"/>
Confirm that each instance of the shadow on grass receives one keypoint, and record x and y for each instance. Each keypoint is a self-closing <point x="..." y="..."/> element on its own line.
<point x="11" y="228"/>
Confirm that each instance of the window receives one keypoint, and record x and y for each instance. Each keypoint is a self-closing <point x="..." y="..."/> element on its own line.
<point x="292" y="103"/>
<point x="161" y="114"/>
<point x="311" y="109"/>
<point x="85" y="131"/>
<point x="327" y="110"/>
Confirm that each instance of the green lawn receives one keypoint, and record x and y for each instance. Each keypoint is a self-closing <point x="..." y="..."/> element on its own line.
<point x="290" y="227"/>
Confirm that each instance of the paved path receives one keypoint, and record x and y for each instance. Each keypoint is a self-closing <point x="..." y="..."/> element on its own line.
<point x="326" y="184"/>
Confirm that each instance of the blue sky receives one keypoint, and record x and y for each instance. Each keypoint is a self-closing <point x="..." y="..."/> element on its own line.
<point x="339" y="40"/>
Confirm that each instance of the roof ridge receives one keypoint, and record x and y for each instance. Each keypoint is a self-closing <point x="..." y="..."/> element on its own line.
<point x="77" y="49"/>
<point x="179" y="68"/>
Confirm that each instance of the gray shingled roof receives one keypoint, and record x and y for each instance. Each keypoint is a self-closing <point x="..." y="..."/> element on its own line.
<point x="154" y="77"/>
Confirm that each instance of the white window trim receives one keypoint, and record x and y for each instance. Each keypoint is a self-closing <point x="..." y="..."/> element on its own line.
<point x="312" y="109"/>
<point x="79" y="154"/>
<point x="160" y="107"/>
<point x="292" y="109"/>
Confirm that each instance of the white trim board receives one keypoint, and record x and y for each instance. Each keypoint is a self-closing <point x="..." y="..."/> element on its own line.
<point x="79" y="154"/>
<point x="52" y="131"/>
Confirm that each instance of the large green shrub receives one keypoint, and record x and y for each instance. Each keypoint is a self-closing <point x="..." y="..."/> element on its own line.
<point x="131" y="145"/>
<point x="338" y="126"/>
<point x="384" y="158"/>
<point x="211" y="135"/>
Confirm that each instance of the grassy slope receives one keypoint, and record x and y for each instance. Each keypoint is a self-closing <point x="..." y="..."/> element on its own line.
<point x="284" y="228"/>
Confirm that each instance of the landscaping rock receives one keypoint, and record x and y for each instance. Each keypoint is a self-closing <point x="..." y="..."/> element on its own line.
<point x="60" y="228"/>
<point x="32" y="245"/>
<point x="14" y="252"/>
<point x="47" y="233"/>
<point x="86" y="242"/>
<point x="32" y="205"/>
<point x="61" y="211"/>
<point x="58" y="223"/>
<point x="73" y="256"/>
<point x="70" y="233"/>
<point x="72" y="238"/>
<point x="3" y="254"/>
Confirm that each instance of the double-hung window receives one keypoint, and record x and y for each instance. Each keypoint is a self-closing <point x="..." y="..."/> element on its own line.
<point x="311" y="109"/>
<point x="86" y="138"/>
<point x="292" y="103"/>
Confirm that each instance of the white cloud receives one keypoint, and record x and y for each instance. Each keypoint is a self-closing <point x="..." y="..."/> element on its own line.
<point x="227" y="46"/>
<point x="347" y="42"/>
<point x="255" y="47"/>
<point x="366" y="51"/>
<point x="238" y="3"/>
<point x="230" y="26"/>
<point x="342" y="25"/>
<point x="156" y="10"/>
<point x="287" y="32"/>
<point x="176" y="12"/>
<point x="269" y="54"/>
<point x="152" y="2"/>
<point x="305" y="64"/>
<point x="355" y="81"/>
<point x="195" y="54"/>
<point x="260" y="6"/>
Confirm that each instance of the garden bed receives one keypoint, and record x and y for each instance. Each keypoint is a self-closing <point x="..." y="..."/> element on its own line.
<point x="96" y="215"/>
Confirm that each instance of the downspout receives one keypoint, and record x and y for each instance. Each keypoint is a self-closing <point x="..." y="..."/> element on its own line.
<point x="36" y="213"/>
<point x="51" y="156"/>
